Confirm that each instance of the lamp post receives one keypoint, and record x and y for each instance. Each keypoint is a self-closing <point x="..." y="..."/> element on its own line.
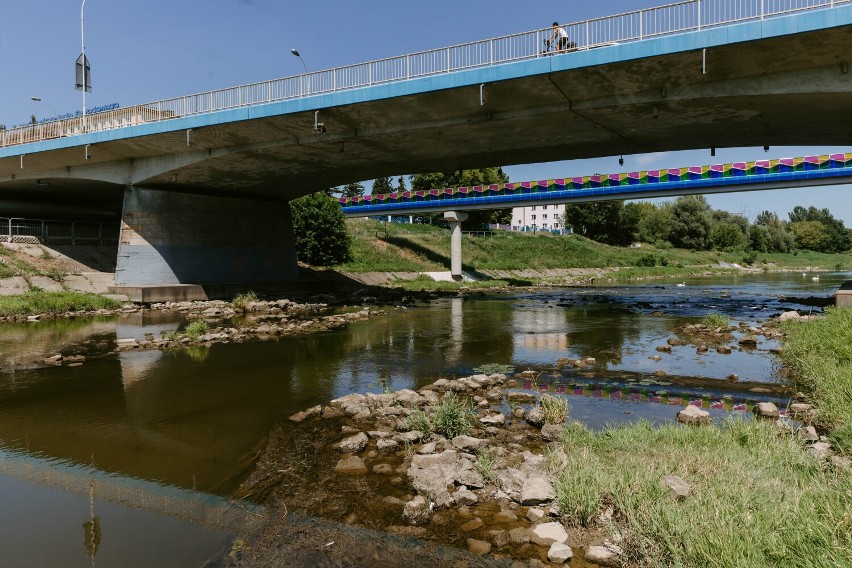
<point x="294" y="52"/>
<point x="38" y="100"/>
<point x="84" y="79"/>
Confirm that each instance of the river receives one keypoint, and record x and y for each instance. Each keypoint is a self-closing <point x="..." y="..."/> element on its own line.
<point x="127" y="459"/>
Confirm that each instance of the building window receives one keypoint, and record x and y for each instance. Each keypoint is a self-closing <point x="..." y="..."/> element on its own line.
<point x="544" y="206"/>
<point x="544" y="225"/>
<point x="532" y="217"/>
<point x="544" y="216"/>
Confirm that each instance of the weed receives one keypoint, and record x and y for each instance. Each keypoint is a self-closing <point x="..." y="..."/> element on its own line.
<point x="241" y="302"/>
<point x="453" y="416"/>
<point x="170" y="335"/>
<point x="420" y="421"/>
<point x="555" y="408"/>
<point x="196" y="329"/>
<point x="714" y="320"/>
<point x="485" y="462"/>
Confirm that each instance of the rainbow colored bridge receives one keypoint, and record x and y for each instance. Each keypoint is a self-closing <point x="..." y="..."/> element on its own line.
<point x="807" y="171"/>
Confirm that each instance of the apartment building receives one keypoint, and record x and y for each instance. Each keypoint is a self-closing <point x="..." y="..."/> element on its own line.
<point x="538" y="218"/>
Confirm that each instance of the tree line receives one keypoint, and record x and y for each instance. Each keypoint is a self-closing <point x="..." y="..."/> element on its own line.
<point x="689" y="222"/>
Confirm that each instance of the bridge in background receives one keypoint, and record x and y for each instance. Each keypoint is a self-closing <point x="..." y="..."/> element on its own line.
<point x="695" y="74"/>
<point x="807" y="171"/>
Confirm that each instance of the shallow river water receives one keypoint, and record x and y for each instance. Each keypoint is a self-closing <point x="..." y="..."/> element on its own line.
<point x="127" y="459"/>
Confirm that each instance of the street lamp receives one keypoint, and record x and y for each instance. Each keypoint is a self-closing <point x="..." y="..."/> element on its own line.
<point x="84" y="75"/>
<point x="38" y="100"/>
<point x="294" y="52"/>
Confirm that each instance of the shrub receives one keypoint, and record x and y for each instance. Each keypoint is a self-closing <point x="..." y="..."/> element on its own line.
<point x="241" y="302"/>
<point x="319" y="229"/>
<point x="420" y="421"/>
<point x="453" y="416"/>
<point x="485" y="462"/>
<point x="646" y="260"/>
<point x="555" y="408"/>
<point x="196" y="329"/>
<point x="714" y="319"/>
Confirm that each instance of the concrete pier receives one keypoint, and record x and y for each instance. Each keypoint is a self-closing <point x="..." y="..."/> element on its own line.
<point x="455" y="218"/>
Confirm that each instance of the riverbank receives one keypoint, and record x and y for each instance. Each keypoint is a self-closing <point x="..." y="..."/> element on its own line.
<point x="491" y="465"/>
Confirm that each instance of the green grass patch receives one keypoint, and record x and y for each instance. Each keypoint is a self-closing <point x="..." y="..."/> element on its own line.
<point x="757" y="499"/>
<point x="420" y="421"/>
<point x="819" y="354"/>
<point x="196" y="329"/>
<point x="485" y="463"/>
<point x="53" y="303"/>
<point x="714" y="319"/>
<point x="555" y="408"/>
<point x="241" y="302"/>
<point x="453" y="416"/>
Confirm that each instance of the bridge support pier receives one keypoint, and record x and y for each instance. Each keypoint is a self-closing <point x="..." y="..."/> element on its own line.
<point x="455" y="219"/>
<point x="172" y="239"/>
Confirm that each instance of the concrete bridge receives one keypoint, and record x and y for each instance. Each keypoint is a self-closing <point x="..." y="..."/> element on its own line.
<point x="683" y="76"/>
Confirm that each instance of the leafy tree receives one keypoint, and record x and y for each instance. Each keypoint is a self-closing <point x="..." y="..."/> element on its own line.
<point x="727" y="236"/>
<point x="353" y="189"/>
<point x="837" y="239"/>
<point x="382" y="185"/>
<point x="400" y="184"/>
<point x="811" y="235"/>
<point x="654" y="223"/>
<point x="691" y="223"/>
<point x="320" y="230"/>
<point x="602" y="221"/>
<point x="481" y="176"/>
<point x="770" y="234"/>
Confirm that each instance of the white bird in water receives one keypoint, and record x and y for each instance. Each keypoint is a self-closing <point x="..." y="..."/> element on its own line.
<point x="681" y="284"/>
<point x="815" y="278"/>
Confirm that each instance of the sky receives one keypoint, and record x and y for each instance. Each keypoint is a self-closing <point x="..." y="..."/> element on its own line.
<point x="148" y="51"/>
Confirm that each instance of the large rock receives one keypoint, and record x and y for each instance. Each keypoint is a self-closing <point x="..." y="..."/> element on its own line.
<point x="603" y="555"/>
<point x="559" y="553"/>
<point x="546" y="534"/>
<point x="535" y="417"/>
<point x="352" y="444"/>
<point x="417" y="511"/>
<point x="552" y="432"/>
<point x="694" y="416"/>
<point x="468" y="443"/>
<point x="431" y="482"/>
<point x="352" y="465"/>
<point x="536" y="490"/>
<point x="478" y="546"/>
<point x="766" y="410"/>
<point x="305" y="414"/>
<point x="678" y="487"/>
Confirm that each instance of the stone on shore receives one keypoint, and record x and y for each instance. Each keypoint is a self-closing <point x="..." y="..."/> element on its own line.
<point x="352" y="444"/>
<point x="559" y="553"/>
<point x="694" y="416"/>
<point x="417" y="511"/>
<point x="546" y="534"/>
<point x="678" y="487"/>
<point x="536" y="490"/>
<point x="766" y="410"/>
<point x="603" y="555"/>
<point x="478" y="546"/>
<point x="352" y="465"/>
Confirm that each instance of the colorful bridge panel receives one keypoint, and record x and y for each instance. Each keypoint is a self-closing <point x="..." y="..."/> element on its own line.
<point x="694" y="176"/>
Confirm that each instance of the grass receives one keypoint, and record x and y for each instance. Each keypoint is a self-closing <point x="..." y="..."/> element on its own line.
<point x="555" y="408"/>
<point x="453" y="416"/>
<point x="757" y="499"/>
<point x="714" y="319"/>
<point x="241" y="302"/>
<point x="420" y="421"/>
<point x="53" y="303"/>
<point x="196" y="329"/>
<point x="819" y="354"/>
<point x="485" y="462"/>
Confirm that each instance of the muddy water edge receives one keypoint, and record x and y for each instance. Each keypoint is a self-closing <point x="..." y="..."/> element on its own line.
<point x="150" y="441"/>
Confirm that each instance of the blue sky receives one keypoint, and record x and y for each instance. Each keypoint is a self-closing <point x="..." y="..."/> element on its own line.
<point x="147" y="51"/>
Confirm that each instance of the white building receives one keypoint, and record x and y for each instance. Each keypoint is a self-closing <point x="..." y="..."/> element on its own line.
<point x="538" y="218"/>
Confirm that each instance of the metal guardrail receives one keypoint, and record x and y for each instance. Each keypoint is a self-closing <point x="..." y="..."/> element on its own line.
<point x="675" y="18"/>
<point x="20" y="230"/>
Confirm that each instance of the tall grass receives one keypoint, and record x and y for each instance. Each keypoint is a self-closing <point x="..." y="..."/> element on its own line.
<point x="756" y="500"/>
<point x="819" y="354"/>
<point x="53" y="303"/>
<point x="453" y="416"/>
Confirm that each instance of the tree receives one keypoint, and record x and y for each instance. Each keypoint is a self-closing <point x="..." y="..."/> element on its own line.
<point x="353" y="189"/>
<point x="691" y="223"/>
<point x="400" y="184"/>
<point x="770" y="234"/>
<point x="602" y="221"/>
<point x="320" y="230"/>
<point x="654" y="223"/>
<point x="728" y="237"/>
<point x="837" y="237"/>
<point x="811" y="235"/>
<point x="382" y="185"/>
<point x="468" y="178"/>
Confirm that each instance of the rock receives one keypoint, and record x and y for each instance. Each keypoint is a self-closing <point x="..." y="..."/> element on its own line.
<point x="841" y="463"/>
<point x="655" y="358"/>
<point x="808" y="434"/>
<point x="472" y="525"/>
<point x="802" y="411"/>
<point x="679" y="488"/>
<point x="505" y="517"/>
<point x="330" y="412"/>
<point x="766" y="410"/>
<point x="352" y="465"/>
<point x="467" y="443"/>
<point x="603" y="555"/>
<point x="723" y="350"/>
<point x="552" y="432"/>
<point x="664" y="348"/>
<point x="519" y="535"/>
<point x="534" y="514"/>
<point x="546" y="534"/>
<point x="789" y="315"/>
<point x="535" y="417"/>
<point x="478" y="546"/>
<point x="383" y="469"/>
<point x="427" y="448"/>
<point x="819" y="450"/>
<point x="733" y="377"/>
<point x="521" y="397"/>
<point x="417" y="511"/>
<point x="411" y="531"/>
<point x="694" y="416"/>
<point x="465" y="497"/>
<point x="749" y="341"/>
<point x="387" y="446"/>
<point x="659" y="373"/>
<point x="499" y="538"/>
<point x="702" y="349"/>
<point x="305" y="414"/>
<point x="535" y="490"/>
<point x="411" y="437"/>
<point x="519" y="413"/>
<point x="559" y="553"/>
<point x="494" y="419"/>
<point x="352" y="444"/>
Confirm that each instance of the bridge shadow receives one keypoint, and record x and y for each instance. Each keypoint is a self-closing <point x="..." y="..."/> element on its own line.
<point x="444" y="260"/>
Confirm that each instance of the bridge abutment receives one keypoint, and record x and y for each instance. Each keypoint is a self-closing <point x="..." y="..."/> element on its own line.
<point x="170" y="238"/>
<point x="455" y="219"/>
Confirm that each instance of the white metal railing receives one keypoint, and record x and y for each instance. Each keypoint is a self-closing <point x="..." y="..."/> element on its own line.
<point x="673" y="18"/>
<point x="16" y="230"/>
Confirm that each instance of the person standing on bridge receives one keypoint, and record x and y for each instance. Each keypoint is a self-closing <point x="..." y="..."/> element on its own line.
<point x="559" y="39"/>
